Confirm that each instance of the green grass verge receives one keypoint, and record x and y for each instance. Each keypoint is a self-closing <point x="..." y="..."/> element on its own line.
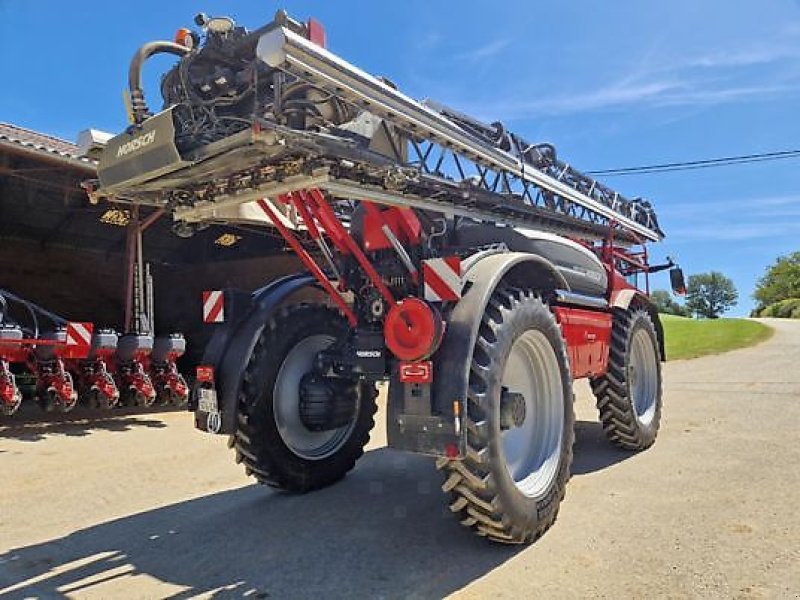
<point x="689" y="338"/>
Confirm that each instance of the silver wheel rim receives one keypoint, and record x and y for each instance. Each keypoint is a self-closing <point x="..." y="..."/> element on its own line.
<point x="307" y="444"/>
<point x="643" y="376"/>
<point x="532" y="451"/>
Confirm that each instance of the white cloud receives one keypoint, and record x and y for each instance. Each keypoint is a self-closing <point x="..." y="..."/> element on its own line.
<point x="756" y="55"/>
<point x="645" y="94"/>
<point x="620" y="94"/>
<point x="740" y="219"/>
<point x="749" y="207"/>
<point x="734" y="232"/>
<point x="702" y="79"/>
<point x="485" y="52"/>
<point x="704" y="97"/>
<point x="428" y="41"/>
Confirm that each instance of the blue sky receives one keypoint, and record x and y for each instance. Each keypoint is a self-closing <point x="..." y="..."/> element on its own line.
<point x="611" y="84"/>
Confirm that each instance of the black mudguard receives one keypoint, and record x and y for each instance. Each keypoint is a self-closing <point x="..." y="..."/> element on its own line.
<point x="432" y="434"/>
<point x="233" y="341"/>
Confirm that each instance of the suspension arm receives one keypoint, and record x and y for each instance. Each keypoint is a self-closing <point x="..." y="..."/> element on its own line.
<point x="309" y="262"/>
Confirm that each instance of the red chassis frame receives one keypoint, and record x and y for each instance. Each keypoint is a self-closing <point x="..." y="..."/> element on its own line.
<point x="587" y="332"/>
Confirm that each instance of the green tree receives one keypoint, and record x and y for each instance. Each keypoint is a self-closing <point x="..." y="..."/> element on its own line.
<point x="664" y="303"/>
<point x="710" y="294"/>
<point x="780" y="282"/>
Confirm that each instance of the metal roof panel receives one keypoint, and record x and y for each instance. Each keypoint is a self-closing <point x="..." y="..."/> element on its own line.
<point x="42" y="143"/>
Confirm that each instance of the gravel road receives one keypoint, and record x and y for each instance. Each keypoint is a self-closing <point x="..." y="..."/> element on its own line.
<point x="143" y="506"/>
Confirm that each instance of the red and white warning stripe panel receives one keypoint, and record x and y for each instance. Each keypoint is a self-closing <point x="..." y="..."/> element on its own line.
<point x="442" y="279"/>
<point x="213" y="306"/>
<point x="79" y="334"/>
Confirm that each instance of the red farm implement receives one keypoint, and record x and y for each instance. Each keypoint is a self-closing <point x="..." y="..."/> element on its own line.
<point x="45" y="345"/>
<point x="73" y="362"/>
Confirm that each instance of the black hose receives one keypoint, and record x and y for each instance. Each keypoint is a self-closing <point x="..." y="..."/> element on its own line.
<point x="34" y="311"/>
<point x="138" y="104"/>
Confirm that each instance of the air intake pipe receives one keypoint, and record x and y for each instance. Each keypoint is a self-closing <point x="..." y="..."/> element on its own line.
<point x="139" y="110"/>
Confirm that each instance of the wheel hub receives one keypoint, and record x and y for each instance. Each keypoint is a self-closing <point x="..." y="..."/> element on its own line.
<point x="643" y="376"/>
<point x="512" y="409"/>
<point x="532" y="446"/>
<point x="326" y="402"/>
<point x="302" y="440"/>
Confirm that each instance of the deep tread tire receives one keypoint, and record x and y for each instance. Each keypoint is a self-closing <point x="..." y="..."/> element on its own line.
<point x="484" y="496"/>
<point x="613" y="391"/>
<point x="257" y="442"/>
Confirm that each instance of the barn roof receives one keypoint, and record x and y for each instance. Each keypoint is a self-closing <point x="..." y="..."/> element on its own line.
<point x="49" y="147"/>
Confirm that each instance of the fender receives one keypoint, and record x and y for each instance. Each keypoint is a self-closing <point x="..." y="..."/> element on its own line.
<point x="232" y="343"/>
<point x="452" y="360"/>
<point x="624" y="299"/>
<point x="455" y="355"/>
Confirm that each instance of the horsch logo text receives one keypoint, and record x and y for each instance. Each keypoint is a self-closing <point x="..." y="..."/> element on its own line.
<point x="136" y="143"/>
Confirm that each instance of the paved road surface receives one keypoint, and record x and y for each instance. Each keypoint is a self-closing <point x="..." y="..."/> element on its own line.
<point x="143" y="506"/>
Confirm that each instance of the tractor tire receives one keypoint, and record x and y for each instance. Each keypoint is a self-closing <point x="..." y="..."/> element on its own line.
<point x="270" y="440"/>
<point x="513" y="478"/>
<point x="629" y="395"/>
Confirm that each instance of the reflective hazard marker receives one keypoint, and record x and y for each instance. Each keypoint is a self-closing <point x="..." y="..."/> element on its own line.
<point x="79" y="334"/>
<point x="442" y="279"/>
<point x="213" y="306"/>
<point x="416" y="372"/>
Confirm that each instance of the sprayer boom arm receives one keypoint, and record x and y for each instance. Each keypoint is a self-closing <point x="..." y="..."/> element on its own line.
<point x="326" y="123"/>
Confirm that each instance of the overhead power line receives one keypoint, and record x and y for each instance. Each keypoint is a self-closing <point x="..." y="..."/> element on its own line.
<point x="699" y="164"/>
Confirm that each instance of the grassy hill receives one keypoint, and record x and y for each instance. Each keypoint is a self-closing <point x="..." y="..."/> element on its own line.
<point x="689" y="338"/>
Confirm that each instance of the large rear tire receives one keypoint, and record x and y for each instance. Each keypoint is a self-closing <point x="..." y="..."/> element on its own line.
<point x="629" y="396"/>
<point x="271" y="440"/>
<point x="513" y="478"/>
